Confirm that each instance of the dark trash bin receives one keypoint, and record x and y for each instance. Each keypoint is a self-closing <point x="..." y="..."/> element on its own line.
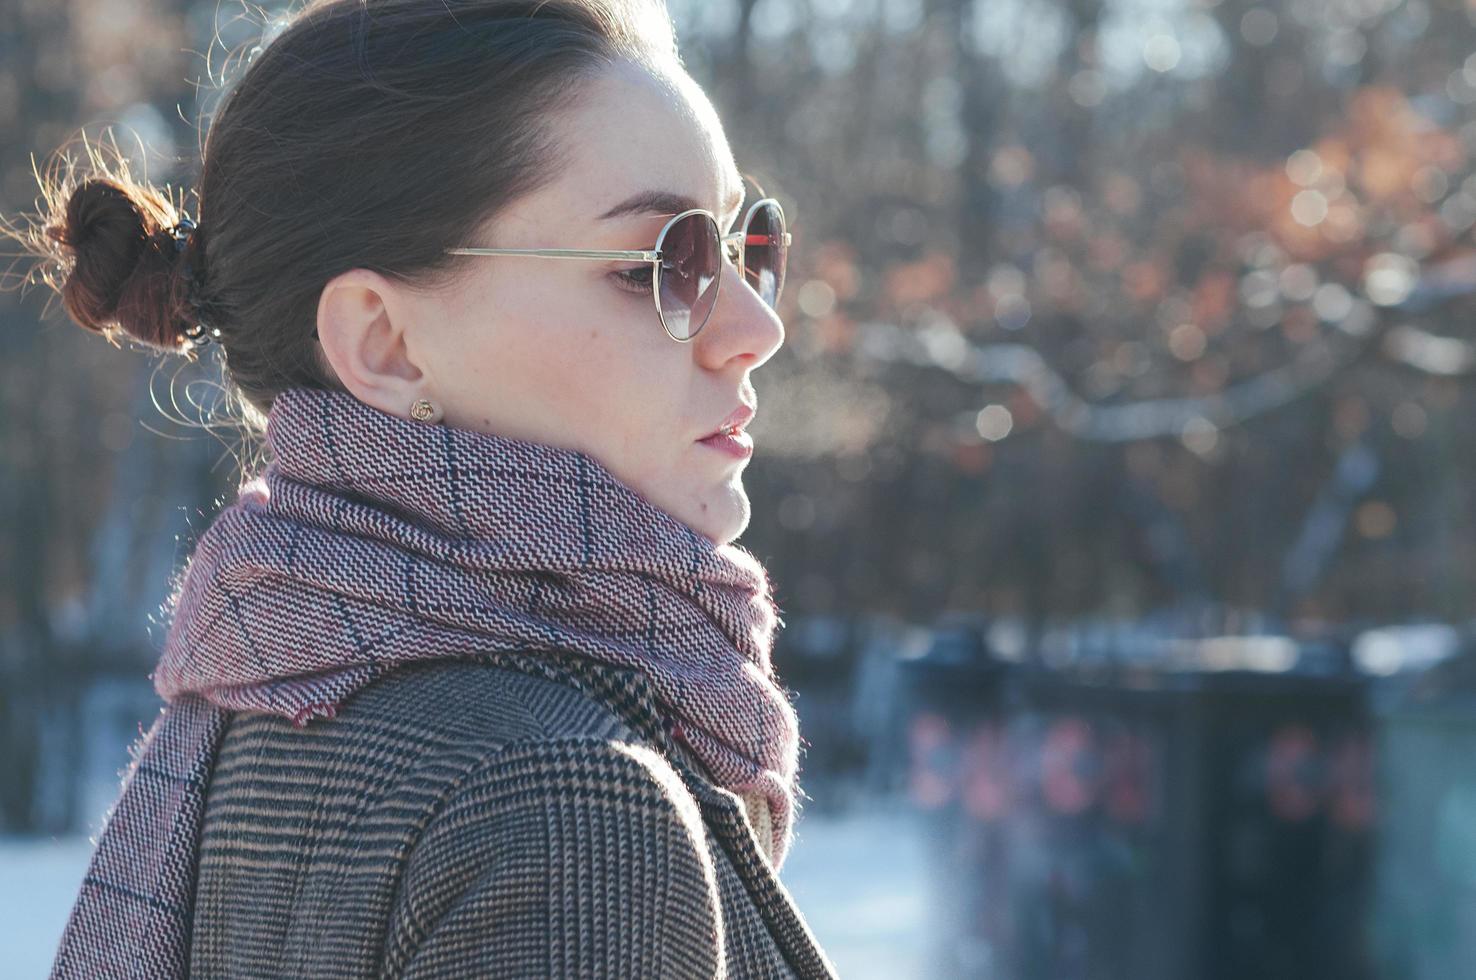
<point x="1160" y="813"/>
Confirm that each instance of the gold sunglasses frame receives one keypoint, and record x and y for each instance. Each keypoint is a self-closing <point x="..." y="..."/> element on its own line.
<point x="740" y="238"/>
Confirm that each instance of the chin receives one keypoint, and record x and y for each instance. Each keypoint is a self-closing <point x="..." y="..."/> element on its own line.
<point x="725" y="519"/>
<point x="717" y="511"/>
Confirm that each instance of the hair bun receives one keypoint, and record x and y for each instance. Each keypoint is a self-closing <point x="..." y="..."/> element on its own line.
<point x="125" y="270"/>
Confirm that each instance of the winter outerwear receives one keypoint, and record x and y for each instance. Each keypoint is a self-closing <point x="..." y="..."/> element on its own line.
<point x="531" y="825"/>
<point x="371" y="542"/>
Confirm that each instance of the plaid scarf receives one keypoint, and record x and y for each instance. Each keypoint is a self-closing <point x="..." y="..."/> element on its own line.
<point x="372" y="540"/>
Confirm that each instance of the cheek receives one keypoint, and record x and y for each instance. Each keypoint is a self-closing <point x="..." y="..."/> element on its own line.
<point x="530" y="333"/>
<point x="637" y="394"/>
<point x="565" y="361"/>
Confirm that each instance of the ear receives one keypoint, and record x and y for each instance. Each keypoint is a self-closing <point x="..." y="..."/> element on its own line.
<point x="362" y="326"/>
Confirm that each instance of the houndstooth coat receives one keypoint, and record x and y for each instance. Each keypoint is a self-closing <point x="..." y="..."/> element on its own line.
<point x="505" y="815"/>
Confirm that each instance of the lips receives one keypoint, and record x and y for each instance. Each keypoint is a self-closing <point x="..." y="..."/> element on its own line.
<point x="740" y="417"/>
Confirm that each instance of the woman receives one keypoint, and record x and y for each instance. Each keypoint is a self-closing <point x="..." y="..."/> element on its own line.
<point x="470" y="680"/>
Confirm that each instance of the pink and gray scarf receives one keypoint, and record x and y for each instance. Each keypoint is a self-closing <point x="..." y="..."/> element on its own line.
<point x="371" y="540"/>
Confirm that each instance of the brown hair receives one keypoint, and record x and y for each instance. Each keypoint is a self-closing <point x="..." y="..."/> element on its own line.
<point x="368" y="133"/>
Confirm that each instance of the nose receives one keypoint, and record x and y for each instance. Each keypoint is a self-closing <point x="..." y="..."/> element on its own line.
<point x="741" y="325"/>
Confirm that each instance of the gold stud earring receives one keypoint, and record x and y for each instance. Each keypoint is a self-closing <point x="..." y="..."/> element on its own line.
<point x="424" y="411"/>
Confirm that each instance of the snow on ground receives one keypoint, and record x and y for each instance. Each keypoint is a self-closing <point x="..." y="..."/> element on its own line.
<point x="38" y="879"/>
<point x="857" y="876"/>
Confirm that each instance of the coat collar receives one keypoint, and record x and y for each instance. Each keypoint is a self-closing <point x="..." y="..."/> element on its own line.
<point x="628" y="692"/>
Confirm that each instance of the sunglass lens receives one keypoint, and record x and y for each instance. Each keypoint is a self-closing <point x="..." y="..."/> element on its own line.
<point x="690" y="265"/>
<point x="764" y="251"/>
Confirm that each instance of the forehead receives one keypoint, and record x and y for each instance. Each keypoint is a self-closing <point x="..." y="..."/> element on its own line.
<point x="643" y="129"/>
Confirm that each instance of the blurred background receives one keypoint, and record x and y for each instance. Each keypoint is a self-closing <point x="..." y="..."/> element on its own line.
<point x="1113" y="474"/>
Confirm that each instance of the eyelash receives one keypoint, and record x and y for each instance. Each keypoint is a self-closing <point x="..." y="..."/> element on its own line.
<point x="625" y="277"/>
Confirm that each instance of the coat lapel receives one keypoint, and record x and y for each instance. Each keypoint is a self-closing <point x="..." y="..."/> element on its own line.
<point x="629" y="693"/>
<point x="723" y="811"/>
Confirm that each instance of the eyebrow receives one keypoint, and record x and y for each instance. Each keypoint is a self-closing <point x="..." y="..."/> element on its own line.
<point x="661" y="202"/>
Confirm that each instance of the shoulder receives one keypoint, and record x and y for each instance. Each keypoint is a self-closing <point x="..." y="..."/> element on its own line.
<point x="479" y="819"/>
<point x="485" y="697"/>
<point x="457" y="703"/>
<point x="561" y="856"/>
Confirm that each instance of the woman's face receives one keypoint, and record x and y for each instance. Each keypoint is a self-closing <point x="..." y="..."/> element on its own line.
<point x="570" y="353"/>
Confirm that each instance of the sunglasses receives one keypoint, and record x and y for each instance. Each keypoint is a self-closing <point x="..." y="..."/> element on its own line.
<point x="688" y="261"/>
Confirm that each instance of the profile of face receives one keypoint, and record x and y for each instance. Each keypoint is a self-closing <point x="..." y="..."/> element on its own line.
<point x="572" y="353"/>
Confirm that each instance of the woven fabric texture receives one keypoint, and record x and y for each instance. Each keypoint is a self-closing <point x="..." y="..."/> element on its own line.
<point x="525" y="828"/>
<point x="371" y="541"/>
